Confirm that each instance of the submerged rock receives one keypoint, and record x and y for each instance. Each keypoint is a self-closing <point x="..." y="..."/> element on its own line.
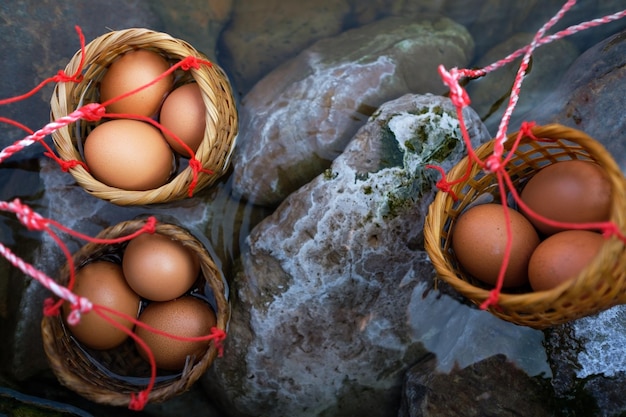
<point x="491" y="21"/>
<point x="592" y="95"/>
<point x="262" y="34"/>
<point x="300" y="117"/>
<point x="490" y="387"/>
<point x="333" y="301"/>
<point x="198" y="22"/>
<point x="11" y="400"/>
<point x="589" y="363"/>
<point x="490" y="94"/>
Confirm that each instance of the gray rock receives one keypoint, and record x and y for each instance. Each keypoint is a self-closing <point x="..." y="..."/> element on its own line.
<point x="488" y="21"/>
<point x="580" y="12"/>
<point x="300" y="117"/>
<point x="333" y="301"/>
<point x="607" y="393"/>
<point x="591" y="96"/>
<point x="491" y="21"/>
<point x="490" y="94"/>
<point x="198" y="22"/>
<point x="588" y="362"/>
<point x="264" y="33"/>
<point x="490" y="387"/>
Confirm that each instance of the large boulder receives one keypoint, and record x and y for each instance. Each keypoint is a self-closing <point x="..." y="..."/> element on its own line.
<point x="490" y="94"/>
<point x="300" y="117"/>
<point x="334" y="297"/>
<point x="490" y="387"/>
<point x="262" y="34"/>
<point x="592" y="95"/>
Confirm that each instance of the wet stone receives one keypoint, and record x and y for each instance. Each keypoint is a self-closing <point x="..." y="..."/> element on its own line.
<point x="198" y="22"/>
<point x="16" y="403"/>
<point x="490" y="94"/>
<point x="491" y="21"/>
<point x="588" y="362"/>
<point x="250" y="50"/>
<point x="591" y="96"/>
<point x="298" y="118"/>
<point x="337" y="277"/>
<point x="491" y="387"/>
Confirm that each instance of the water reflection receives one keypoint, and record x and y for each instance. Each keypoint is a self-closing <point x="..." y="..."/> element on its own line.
<point x="457" y="333"/>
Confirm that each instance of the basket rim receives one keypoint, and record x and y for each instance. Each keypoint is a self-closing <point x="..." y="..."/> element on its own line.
<point x="221" y="115"/>
<point x="529" y="303"/>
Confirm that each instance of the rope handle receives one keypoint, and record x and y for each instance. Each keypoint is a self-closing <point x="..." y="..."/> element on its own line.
<point x="496" y="162"/>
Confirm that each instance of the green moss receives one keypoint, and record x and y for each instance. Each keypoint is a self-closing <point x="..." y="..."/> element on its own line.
<point x="414" y="145"/>
<point x="441" y="153"/>
<point x="411" y="187"/>
<point x="391" y="153"/>
<point x="420" y="112"/>
<point x="329" y="174"/>
<point x="418" y="140"/>
<point x="396" y="204"/>
<point x="428" y="144"/>
<point x="25" y="407"/>
<point x="367" y="190"/>
<point x="368" y="218"/>
<point x="424" y="132"/>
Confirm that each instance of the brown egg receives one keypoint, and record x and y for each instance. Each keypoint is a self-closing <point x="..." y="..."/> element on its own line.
<point x="132" y="70"/>
<point x="128" y="154"/>
<point x="479" y="240"/>
<point x="184" y="317"/>
<point x="159" y="268"/>
<point x="561" y="257"/>
<point x="103" y="283"/>
<point x="568" y="191"/>
<point x="183" y="113"/>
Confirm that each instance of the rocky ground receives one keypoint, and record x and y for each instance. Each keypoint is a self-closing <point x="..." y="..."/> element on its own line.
<point x="334" y="312"/>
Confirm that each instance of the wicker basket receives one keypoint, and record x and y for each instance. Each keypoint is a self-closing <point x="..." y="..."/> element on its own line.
<point x="111" y="376"/>
<point x="602" y="284"/>
<point x="221" y="114"/>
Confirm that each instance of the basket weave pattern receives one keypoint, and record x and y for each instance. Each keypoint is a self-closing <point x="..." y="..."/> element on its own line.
<point x="110" y="377"/>
<point x="602" y="284"/>
<point x="221" y="114"/>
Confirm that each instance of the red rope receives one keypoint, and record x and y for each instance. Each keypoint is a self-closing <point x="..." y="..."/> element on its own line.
<point x="92" y="112"/>
<point x="80" y="305"/>
<point x="61" y="76"/>
<point x="495" y="163"/>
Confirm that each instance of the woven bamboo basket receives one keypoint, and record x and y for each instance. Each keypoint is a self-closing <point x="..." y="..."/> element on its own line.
<point x="111" y="376"/>
<point x="602" y="284"/>
<point x="221" y="113"/>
